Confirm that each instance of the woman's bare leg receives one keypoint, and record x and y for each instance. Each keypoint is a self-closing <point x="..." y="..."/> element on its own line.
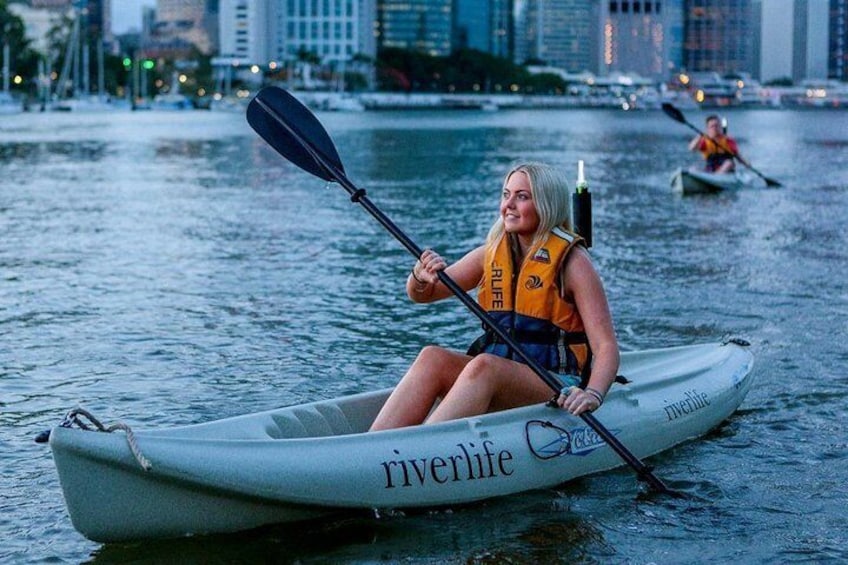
<point x="429" y="378"/>
<point x="487" y="384"/>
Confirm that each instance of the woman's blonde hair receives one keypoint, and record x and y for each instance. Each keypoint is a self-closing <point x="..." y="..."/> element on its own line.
<point x="550" y="195"/>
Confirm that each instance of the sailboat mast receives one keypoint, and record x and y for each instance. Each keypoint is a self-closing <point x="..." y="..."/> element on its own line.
<point x="67" y="64"/>
<point x="77" y="58"/>
<point x="5" y="66"/>
<point x="101" y="85"/>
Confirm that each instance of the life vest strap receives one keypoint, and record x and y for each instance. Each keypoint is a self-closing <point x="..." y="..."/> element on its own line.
<point x="528" y="336"/>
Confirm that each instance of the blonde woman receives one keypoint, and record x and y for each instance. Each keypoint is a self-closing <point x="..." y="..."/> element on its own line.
<point x="537" y="281"/>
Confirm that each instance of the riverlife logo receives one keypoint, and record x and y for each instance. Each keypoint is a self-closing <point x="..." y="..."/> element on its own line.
<point x="468" y="462"/>
<point x="692" y="401"/>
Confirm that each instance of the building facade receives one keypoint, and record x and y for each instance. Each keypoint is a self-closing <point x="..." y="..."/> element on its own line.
<point x="484" y="25"/>
<point x="558" y="33"/>
<point x="641" y="37"/>
<point x="837" y="65"/>
<point x="261" y="32"/>
<point x="718" y="36"/>
<point x="244" y="29"/>
<point x="809" y="49"/>
<point x="794" y="40"/>
<point x="192" y="21"/>
<point x="330" y="30"/>
<point x="425" y="26"/>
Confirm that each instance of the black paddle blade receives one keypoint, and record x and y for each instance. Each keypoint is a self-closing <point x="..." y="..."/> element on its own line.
<point x="673" y="112"/>
<point x="771" y="183"/>
<point x="294" y="132"/>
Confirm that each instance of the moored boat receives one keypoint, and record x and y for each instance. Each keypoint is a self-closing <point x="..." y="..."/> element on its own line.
<point x="308" y="460"/>
<point x="9" y="104"/>
<point x="692" y="181"/>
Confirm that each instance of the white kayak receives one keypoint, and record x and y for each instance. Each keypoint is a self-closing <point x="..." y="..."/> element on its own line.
<point x="308" y="460"/>
<point x="692" y="181"/>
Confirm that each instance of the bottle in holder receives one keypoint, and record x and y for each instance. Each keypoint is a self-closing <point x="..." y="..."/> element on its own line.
<point x="581" y="207"/>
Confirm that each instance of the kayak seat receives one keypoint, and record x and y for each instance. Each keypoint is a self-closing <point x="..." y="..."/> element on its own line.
<point x="319" y="420"/>
<point x="287" y="427"/>
<point x="335" y="418"/>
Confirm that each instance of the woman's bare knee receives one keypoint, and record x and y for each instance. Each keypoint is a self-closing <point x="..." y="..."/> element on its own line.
<point x="483" y="365"/>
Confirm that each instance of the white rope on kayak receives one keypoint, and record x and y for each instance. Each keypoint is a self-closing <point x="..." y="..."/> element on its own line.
<point x="72" y="418"/>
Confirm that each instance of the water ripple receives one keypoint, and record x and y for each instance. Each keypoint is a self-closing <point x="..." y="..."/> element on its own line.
<point x="165" y="270"/>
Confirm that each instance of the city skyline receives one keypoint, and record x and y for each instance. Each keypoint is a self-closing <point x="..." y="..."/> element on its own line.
<point x="789" y="54"/>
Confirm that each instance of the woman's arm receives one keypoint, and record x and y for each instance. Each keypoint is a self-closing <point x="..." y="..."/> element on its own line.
<point x="583" y="285"/>
<point x="423" y="285"/>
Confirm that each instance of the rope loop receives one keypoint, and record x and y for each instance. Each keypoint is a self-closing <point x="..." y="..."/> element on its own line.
<point x="73" y="419"/>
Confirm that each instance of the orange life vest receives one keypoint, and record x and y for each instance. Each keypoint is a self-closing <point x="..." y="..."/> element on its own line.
<point x="528" y="305"/>
<point x="717" y="152"/>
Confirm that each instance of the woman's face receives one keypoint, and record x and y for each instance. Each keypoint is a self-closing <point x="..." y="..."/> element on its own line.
<point x="518" y="209"/>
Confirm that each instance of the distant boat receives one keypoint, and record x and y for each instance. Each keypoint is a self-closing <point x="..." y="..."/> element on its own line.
<point x="222" y="103"/>
<point x="72" y="88"/>
<point x="9" y="104"/>
<point x="171" y="101"/>
<point x="91" y="103"/>
<point x="691" y="181"/>
<point x="344" y="103"/>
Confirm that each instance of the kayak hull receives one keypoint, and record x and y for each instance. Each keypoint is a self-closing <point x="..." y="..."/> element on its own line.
<point x="304" y="461"/>
<point x="690" y="181"/>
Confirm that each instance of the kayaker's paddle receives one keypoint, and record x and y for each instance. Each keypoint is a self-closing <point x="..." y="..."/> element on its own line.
<point x="678" y="116"/>
<point x="296" y="134"/>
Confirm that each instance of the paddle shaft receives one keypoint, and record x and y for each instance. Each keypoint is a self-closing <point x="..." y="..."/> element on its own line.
<point x="678" y="116"/>
<point x="358" y="195"/>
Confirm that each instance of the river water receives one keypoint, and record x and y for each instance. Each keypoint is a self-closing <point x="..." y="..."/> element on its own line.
<point x="169" y="268"/>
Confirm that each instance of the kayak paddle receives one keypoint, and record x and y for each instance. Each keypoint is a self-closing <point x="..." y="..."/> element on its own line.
<point x="678" y="116"/>
<point x="296" y="134"/>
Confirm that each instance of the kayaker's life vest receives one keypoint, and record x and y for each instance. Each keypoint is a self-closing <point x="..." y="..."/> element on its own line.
<point x="527" y="304"/>
<point x="717" y="153"/>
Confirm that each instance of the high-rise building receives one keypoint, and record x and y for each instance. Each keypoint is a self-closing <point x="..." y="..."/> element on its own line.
<point x="809" y="49"/>
<point x="244" y="31"/>
<point x="425" y="26"/>
<point x="717" y="36"/>
<point x="262" y="32"/>
<point x="558" y="33"/>
<point x="95" y="14"/>
<point x="837" y="65"/>
<point x="794" y="40"/>
<point x="601" y="36"/>
<point x="484" y="25"/>
<point x="186" y="20"/>
<point x="641" y="37"/>
<point x="331" y="30"/>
